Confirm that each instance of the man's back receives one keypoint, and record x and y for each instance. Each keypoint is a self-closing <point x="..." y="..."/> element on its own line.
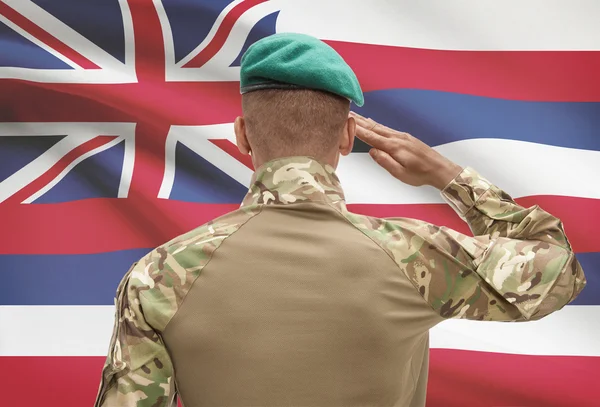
<point x="293" y="300"/>
<point x="299" y="307"/>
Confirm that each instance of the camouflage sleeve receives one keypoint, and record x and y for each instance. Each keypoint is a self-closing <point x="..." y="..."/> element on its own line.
<point x="519" y="265"/>
<point x="490" y="211"/>
<point x="521" y="256"/>
<point x="138" y="371"/>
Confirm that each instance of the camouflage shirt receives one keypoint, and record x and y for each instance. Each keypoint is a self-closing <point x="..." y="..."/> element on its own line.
<point x="518" y="267"/>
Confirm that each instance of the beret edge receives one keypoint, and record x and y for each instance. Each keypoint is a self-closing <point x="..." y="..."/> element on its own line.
<point x="283" y="85"/>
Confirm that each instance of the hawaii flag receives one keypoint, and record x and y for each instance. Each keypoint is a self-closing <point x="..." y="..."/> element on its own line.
<point x="116" y="135"/>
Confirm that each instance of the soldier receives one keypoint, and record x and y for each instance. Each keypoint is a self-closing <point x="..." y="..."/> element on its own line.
<point x="294" y="300"/>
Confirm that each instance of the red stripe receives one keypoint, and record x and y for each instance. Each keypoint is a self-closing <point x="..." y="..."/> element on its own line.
<point x="545" y="76"/>
<point x="480" y="379"/>
<point x="103" y="225"/>
<point x="59" y="381"/>
<point x="149" y="165"/>
<point x="174" y="103"/>
<point x="47" y="38"/>
<point x="57" y="168"/>
<point x="520" y="75"/>
<point x="148" y="97"/>
<point x="456" y="379"/>
<point x="222" y="33"/>
<point x="149" y="43"/>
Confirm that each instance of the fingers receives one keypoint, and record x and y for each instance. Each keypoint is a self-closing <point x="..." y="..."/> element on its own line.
<point x="373" y="139"/>
<point x="388" y="163"/>
<point x="404" y="156"/>
<point x="378" y="128"/>
<point x="369" y="124"/>
<point x="371" y="132"/>
<point x="363" y="121"/>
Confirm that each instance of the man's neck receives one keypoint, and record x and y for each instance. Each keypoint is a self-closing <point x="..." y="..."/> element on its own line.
<point x="328" y="159"/>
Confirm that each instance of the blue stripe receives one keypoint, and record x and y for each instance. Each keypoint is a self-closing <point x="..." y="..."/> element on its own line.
<point x="55" y="279"/>
<point x="92" y="279"/>
<point x="590" y="262"/>
<point x="18" y="51"/>
<point x="439" y="118"/>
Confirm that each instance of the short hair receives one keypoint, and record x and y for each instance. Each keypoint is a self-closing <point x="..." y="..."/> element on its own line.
<point x="287" y="122"/>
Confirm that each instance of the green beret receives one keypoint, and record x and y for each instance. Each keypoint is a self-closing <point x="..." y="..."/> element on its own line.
<point x="297" y="61"/>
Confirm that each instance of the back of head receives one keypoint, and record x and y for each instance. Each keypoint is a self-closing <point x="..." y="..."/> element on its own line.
<point x="293" y="122"/>
<point x="296" y="94"/>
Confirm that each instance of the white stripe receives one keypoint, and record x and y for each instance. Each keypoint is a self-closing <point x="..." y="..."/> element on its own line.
<point x="66" y="128"/>
<point x="129" y="35"/>
<point x="55" y="330"/>
<point x="167" y="33"/>
<point x="522" y="168"/>
<point x="453" y="25"/>
<point x="95" y="76"/>
<point x="128" y="164"/>
<point x="166" y="185"/>
<point x="86" y="331"/>
<point x="572" y="331"/>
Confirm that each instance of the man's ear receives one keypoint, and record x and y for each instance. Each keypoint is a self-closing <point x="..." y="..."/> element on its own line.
<point x="348" y="135"/>
<point x="241" y="139"/>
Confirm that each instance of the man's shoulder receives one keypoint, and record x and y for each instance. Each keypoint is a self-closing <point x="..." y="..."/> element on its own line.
<point x="388" y="230"/>
<point x="209" y="235"/>
<point x="197" y="245"/>
<point x="165" y="275"/>
<point x="389" y="234"/>
<point x="408" y="239"/>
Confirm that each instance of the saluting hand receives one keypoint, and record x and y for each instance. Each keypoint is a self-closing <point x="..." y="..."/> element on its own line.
<point x="404" y="156"/>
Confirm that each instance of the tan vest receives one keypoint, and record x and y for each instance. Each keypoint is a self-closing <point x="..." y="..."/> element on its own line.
<point x="300" y="308"/>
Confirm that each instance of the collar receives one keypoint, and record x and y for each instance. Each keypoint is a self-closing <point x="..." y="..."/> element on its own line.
<point x="294" y="179"/>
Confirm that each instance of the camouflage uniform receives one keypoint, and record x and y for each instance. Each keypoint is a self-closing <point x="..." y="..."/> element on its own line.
<point x="294" y="300"/>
